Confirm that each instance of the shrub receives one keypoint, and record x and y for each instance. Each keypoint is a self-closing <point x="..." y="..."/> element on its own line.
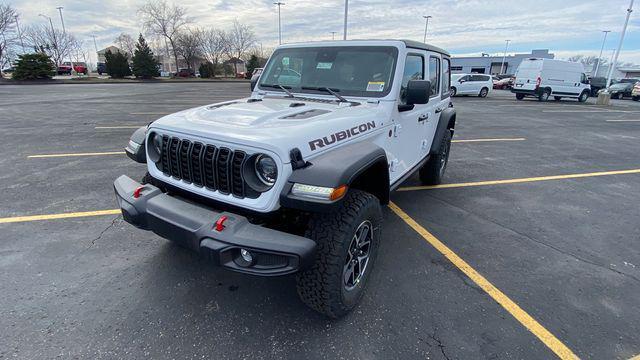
<point x="145" y="65"/>
<point x="207" y="70"/>
<point x="33" y="67"/>
<point x="117" y="64"/>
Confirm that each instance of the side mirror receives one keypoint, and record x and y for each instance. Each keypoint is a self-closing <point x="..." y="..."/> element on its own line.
<point x="418" y="92"/>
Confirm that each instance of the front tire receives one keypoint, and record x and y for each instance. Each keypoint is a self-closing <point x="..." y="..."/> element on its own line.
<point x="347" y="244"/>
<point x="433" y="171"/>
<point x="483" y="92"/>
<point x="583" y="96"/>
<point x="453" y="91"/>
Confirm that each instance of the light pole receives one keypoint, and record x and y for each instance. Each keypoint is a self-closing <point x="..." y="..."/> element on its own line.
<point x="346" y="15"/>
<point x="426" y="26"/>
<point x="95" y="44"/>
<point x="624" y="30"/>
<point x="279" y="22"/>
<point x="333" y="35"/>
<point x="504" y="56"/>
<point x="595" y="72"/>
<point x="53" y="34"/>
<point x="64" y="31"/>
<point x="19" y="33"/>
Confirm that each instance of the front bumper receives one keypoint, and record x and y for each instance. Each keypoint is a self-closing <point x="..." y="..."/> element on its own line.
<point x="194" y="226"/>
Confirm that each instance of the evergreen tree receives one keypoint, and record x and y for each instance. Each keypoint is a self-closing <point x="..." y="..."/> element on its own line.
<point x="145" y="65"/>
<point x="117" y="64"/>
<point x="207" y="70"/>
<point x="253" y="63"/>
<point x="33" y="67"/>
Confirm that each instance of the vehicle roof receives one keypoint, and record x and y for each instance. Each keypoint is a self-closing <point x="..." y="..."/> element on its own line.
<point x="407" y="43"/>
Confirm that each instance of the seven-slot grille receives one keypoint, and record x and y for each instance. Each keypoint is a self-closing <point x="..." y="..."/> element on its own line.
<point x="216" y="168"/>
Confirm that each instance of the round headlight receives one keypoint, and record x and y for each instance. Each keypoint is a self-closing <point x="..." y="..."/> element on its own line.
<point x="157" y="143"/>
<point x="266" y="169"/>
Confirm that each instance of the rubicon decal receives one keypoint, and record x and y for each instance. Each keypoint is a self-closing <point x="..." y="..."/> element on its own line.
<point x="341" y="135"/>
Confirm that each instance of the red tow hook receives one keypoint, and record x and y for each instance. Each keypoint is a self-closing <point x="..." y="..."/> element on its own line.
<point x="137" y="192"/>
<point x="220" y="223"/>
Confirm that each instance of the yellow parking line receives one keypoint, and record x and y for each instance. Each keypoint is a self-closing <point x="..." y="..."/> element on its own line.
<point x="120" y="127"/>
<point x="76" y="154"/>
<point x="520" y="180"/>
<point x="516" y="311"/>
<point x="487" y="140"/>
<point x="58" y="216"/>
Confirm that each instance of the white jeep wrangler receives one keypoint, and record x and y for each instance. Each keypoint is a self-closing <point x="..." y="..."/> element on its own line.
<point x="292" y="179"/>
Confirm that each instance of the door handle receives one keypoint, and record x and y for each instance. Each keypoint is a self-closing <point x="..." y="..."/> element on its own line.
<point x="423" y="117"/>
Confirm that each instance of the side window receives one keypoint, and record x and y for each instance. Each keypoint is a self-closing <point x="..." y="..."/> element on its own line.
<point x="477" y="78"/>
<point x="446" y="77"/>
<point x="583" y="78"/>
<point x="413" y="70"/>
<point x="434" y="75"/>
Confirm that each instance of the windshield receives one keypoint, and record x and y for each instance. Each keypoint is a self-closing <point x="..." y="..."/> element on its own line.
<point x="365" y="71"/>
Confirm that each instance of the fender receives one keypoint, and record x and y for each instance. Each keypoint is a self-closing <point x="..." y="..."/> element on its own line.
<point x="135" y="149"/>
<point x="362" y="165"/>
<point x="447" y="122"/>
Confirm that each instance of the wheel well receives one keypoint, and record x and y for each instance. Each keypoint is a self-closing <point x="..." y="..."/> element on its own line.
<point x="452" y="122"/>
<point x="374" y="180"/>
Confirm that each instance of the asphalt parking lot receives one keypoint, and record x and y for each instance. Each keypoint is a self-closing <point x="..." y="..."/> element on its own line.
<point x="531" y="250"/>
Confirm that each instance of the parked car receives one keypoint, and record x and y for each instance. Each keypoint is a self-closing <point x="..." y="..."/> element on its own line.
<point x="101" y="68"/>
<point x="542" y="78"/>
<point x="63" y="69"/>
<point x="471" y="84"/>
<point x="186" y="73"/>
<point x="597" y="83"/>
<point x="504" y="83"/>
<point x="621" y="89"/>
<point x="635" y="93"/>
<point x="255" y="76"/>
<point x="9" y="70"/>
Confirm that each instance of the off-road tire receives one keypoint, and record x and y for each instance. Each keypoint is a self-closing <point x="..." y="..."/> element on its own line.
<point x="453" y="91"/>
<point x="432" y="172"/>
<point x="544" y="96"/>
<point x="483" y="92"/>
<point x="519" y="96"/>
<point x="584" y="96"/>
<point x="322" y="287"/>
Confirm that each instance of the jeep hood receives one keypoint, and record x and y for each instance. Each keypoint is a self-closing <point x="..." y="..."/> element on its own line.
<point x="275" y="124"/>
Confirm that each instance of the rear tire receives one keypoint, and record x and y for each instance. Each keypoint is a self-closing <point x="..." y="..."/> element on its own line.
<point x="483" y="92"/>
<point x="336" y="281"/>
<point x="519" y="96"/>
<point x="583" y="96"/>
<point x="433" y="171"/>
<point x="544" y="96"/>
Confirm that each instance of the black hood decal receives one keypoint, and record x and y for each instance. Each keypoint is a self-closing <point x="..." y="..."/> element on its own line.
<point x="341" y="135"/>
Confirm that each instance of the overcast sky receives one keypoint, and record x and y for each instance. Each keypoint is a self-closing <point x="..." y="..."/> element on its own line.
<point x="566" y="27"/>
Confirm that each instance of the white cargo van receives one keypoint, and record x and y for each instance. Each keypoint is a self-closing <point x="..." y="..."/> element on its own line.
<point x="542" y="78"/>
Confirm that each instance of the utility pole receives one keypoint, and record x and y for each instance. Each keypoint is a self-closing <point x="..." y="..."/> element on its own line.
<point x="624" y="30"/>
<point x="426" y="26"/>
<point x="279" y="22"/>
<point x="333" y="35"/>
<point x="595" y="72"/>
<point x="346" y="15"/>
<point x="504" y="56"/>
<point x="19" y="33"/>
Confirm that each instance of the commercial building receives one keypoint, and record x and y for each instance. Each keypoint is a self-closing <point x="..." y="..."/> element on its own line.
<point x="486" y="64"/>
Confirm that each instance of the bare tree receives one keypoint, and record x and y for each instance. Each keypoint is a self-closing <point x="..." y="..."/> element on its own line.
<point x="188" y="46"/>
<point x="164" y="20"/>
<point x="126" y="43"/>
<point x="53" y="42"/>
<point x="8" y="17"/>
<point x="239" y="39"/>
<point x="213" y="45"/>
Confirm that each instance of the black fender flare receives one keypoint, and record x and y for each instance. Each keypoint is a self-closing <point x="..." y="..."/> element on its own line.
<point x="447" y="122"/>
<point x="135" y="148"/>
<point x="361" y="165"/>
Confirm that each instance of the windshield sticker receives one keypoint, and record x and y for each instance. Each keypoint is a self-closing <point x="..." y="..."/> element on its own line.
<point x="377" y="86"/>
<point x="324" y="65"/>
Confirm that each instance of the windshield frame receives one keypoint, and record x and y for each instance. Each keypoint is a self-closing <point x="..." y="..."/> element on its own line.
<point x="394" y="52"/>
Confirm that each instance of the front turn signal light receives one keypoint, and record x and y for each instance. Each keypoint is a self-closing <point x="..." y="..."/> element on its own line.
<point x="319" y="192"/>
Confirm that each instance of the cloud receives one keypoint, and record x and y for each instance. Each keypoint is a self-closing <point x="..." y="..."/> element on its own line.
<point x="461" y="26"/>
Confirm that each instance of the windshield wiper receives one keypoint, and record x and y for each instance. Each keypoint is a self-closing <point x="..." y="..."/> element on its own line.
<point x="283" y="88"/>
<point x="326" y="89"/>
